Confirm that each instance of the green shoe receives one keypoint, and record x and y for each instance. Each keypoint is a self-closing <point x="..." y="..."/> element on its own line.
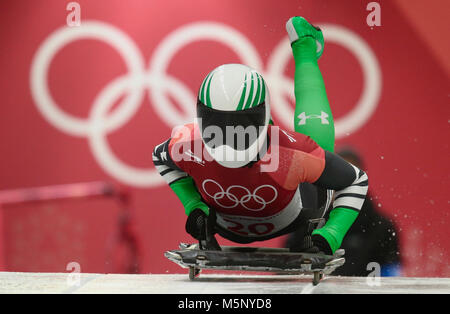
<point x="297" y="27"/>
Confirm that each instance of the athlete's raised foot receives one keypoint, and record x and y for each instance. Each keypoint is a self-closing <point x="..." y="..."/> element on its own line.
<point x="298" y="28"/>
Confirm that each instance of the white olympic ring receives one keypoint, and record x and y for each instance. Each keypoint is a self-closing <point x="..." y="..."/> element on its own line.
<point x="244" y="199"/>
<point x="155" y="78"/>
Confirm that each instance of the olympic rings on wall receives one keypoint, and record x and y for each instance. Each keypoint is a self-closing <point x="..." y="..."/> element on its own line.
<point x="161" y="85"/>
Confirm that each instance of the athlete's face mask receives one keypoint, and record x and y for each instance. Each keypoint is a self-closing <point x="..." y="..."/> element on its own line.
<point x="239" y="130"/>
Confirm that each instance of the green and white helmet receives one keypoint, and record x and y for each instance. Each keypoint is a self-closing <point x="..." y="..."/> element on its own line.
<point x="233" y="113"/>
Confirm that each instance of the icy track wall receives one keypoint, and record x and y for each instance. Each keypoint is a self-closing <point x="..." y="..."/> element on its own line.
<point x="88" y="103"/>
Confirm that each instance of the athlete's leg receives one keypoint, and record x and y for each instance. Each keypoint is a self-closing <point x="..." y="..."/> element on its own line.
<point x="313" y="115"/>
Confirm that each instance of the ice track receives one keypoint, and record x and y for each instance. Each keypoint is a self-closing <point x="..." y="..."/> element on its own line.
<point x="11" y="282"/>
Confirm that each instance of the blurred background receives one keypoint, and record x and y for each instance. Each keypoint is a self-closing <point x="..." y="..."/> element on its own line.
<point x="89" y="87"/>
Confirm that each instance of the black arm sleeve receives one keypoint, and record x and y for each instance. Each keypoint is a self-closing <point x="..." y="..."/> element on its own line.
<point x="165" y="165"/>
<point x="349" y="182"/>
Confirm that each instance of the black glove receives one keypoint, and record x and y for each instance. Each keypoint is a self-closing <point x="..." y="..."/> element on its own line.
<point x="313" y="244"/>
<point x="196" y="224"/>
<point x="321" y="244"/>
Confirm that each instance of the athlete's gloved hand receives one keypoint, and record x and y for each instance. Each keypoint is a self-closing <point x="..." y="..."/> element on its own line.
<point x="314" y="244"/>
<point x="196" y="224"/>
<point x="201" y="227"/>
<point x="321" y="244"/>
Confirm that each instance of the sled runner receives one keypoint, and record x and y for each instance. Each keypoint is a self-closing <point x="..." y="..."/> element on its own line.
<point x="279" y="260"/>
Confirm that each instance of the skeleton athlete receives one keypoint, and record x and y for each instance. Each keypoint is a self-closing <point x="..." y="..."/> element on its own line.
<point x="234" y="169"/>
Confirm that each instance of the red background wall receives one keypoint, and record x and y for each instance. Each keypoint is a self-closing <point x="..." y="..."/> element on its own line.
<point x="404" y="142"/>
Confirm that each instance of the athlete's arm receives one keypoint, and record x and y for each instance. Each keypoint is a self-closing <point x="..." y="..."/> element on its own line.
<point x="351" y="185"/>
<point x="179" y="181"/>
<point x="310" y="163"/>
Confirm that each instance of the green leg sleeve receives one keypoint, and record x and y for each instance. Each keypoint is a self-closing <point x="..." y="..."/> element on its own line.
<point x="313" y="115"/>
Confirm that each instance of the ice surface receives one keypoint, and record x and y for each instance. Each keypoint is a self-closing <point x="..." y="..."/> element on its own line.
<point x="247" y="283"/>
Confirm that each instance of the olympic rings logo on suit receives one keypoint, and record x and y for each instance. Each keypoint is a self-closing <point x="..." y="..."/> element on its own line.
<point x="155" y="78"/>
<point x="243" y="201"/>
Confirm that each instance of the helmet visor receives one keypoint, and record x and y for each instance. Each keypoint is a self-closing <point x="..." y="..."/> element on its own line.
<point x="237" y="129"/>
